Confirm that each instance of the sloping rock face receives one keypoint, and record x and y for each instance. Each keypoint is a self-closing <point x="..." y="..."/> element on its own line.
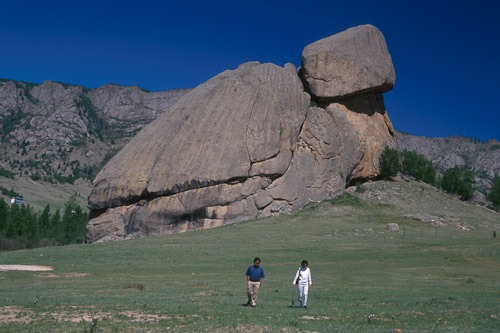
<point x="248" y="143"/>
<point x="224" y="141"/>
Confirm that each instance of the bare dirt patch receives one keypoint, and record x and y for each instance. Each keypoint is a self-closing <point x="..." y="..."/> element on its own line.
<point x="14" y="314"/>
<point x="66" y="275"/>
<point x="256" y="329"/>
<point x="20" y="315"/>
<point x="31" y="268"/>
<point x="315" y="318"/>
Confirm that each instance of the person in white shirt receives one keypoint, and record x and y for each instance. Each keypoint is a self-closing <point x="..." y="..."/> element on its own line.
<point x="303" y="280"/>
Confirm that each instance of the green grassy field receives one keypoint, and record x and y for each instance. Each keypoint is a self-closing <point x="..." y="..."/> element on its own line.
<point x="365" y="278"/>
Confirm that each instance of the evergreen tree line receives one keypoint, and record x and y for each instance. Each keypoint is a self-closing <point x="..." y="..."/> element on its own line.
<point x="23" y="227"/>
<point x="453" y="180"/>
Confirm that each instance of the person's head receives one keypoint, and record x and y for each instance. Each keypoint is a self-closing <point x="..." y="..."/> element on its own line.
<point x="256" y="262"/>
<point x="304" y="263"/>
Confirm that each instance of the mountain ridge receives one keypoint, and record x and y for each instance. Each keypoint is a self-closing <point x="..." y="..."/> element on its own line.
<point x="60" y="133"/>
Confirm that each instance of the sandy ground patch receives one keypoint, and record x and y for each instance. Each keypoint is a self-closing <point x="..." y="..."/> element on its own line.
<point x="315" y="318"/>
<point x="21" y="315"/>
<point x="14" y="314"/>
<point x="66" y="275"/>
<point x="31" y="268"/>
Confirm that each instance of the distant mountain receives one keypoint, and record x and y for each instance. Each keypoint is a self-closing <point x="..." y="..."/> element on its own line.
<point x="481" y="157"/>
<point x="57" y="133"/>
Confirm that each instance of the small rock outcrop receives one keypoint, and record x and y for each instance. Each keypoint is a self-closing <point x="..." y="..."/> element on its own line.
<point x="249" y="143"/>
<point x="392" y="227"/>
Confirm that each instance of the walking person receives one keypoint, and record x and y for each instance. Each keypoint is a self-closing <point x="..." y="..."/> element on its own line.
<point x="254" y="274"/>
<point x="303" y="280"/>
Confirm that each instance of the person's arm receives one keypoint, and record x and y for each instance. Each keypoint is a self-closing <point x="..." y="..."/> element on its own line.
<point x="295" y="277"/>
<point x="310" y="279"/>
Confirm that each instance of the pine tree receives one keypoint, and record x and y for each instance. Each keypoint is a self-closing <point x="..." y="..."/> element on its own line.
<point x="494" y="195"/>
<point x="69" y="220"/>
<point x="32" y="230"/>
<point x="11" y="230"/>
<point x="4" y="210"/>
<point x="44" y="222"/>
<point x="81" y="219"/>
<point x="55" y="227"/>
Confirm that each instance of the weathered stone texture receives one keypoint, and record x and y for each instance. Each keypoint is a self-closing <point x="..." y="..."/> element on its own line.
<point x="221" y="143"/>
<point x="351" y="62"/>
<point x="246" y="144"/>
<point x="367" y="115"/>
<point x="214" y="135"/>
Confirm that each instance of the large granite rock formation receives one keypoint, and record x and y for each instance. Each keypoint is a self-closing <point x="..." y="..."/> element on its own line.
<point x="248" y="143"/>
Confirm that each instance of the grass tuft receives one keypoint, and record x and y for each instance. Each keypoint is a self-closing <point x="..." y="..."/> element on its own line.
<point x="137" y="286"/>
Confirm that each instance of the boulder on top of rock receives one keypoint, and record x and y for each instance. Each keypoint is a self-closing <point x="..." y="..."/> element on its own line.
<point x="351" y="62"/>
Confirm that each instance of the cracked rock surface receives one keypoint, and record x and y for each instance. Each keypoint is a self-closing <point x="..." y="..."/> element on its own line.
<point x="248" y="143"/>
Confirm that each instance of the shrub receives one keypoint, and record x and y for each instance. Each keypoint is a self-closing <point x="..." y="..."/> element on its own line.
<point x="9" y="122"/>
<point x="458" y="182"/>
<point x="97" y="124"/>
<point x="494" y="194"/>
<point x="494" y="147"/>
<point x="390" y="164"/>
<point x="417" y="166"/>
<point x="11" y="193"/>
<point x="6" y="173"/>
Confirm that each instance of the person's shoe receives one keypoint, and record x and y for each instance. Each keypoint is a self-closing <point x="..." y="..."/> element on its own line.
<point x="253" y="305"/>
<point x="305" y="306"/>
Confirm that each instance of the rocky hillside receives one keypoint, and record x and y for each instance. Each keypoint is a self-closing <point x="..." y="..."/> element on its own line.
<point x="481" y="157"/>
<point x="60" y="133"/>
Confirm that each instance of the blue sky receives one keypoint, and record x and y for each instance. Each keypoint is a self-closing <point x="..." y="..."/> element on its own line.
<point x="446" y="53"/>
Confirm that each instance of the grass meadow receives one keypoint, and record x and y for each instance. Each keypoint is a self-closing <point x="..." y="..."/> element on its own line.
<point x="365" y="278"/>
<point x="37" y="195"/>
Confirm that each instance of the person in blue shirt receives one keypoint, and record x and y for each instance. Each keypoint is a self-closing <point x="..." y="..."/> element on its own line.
<point x="254" y="274"/>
